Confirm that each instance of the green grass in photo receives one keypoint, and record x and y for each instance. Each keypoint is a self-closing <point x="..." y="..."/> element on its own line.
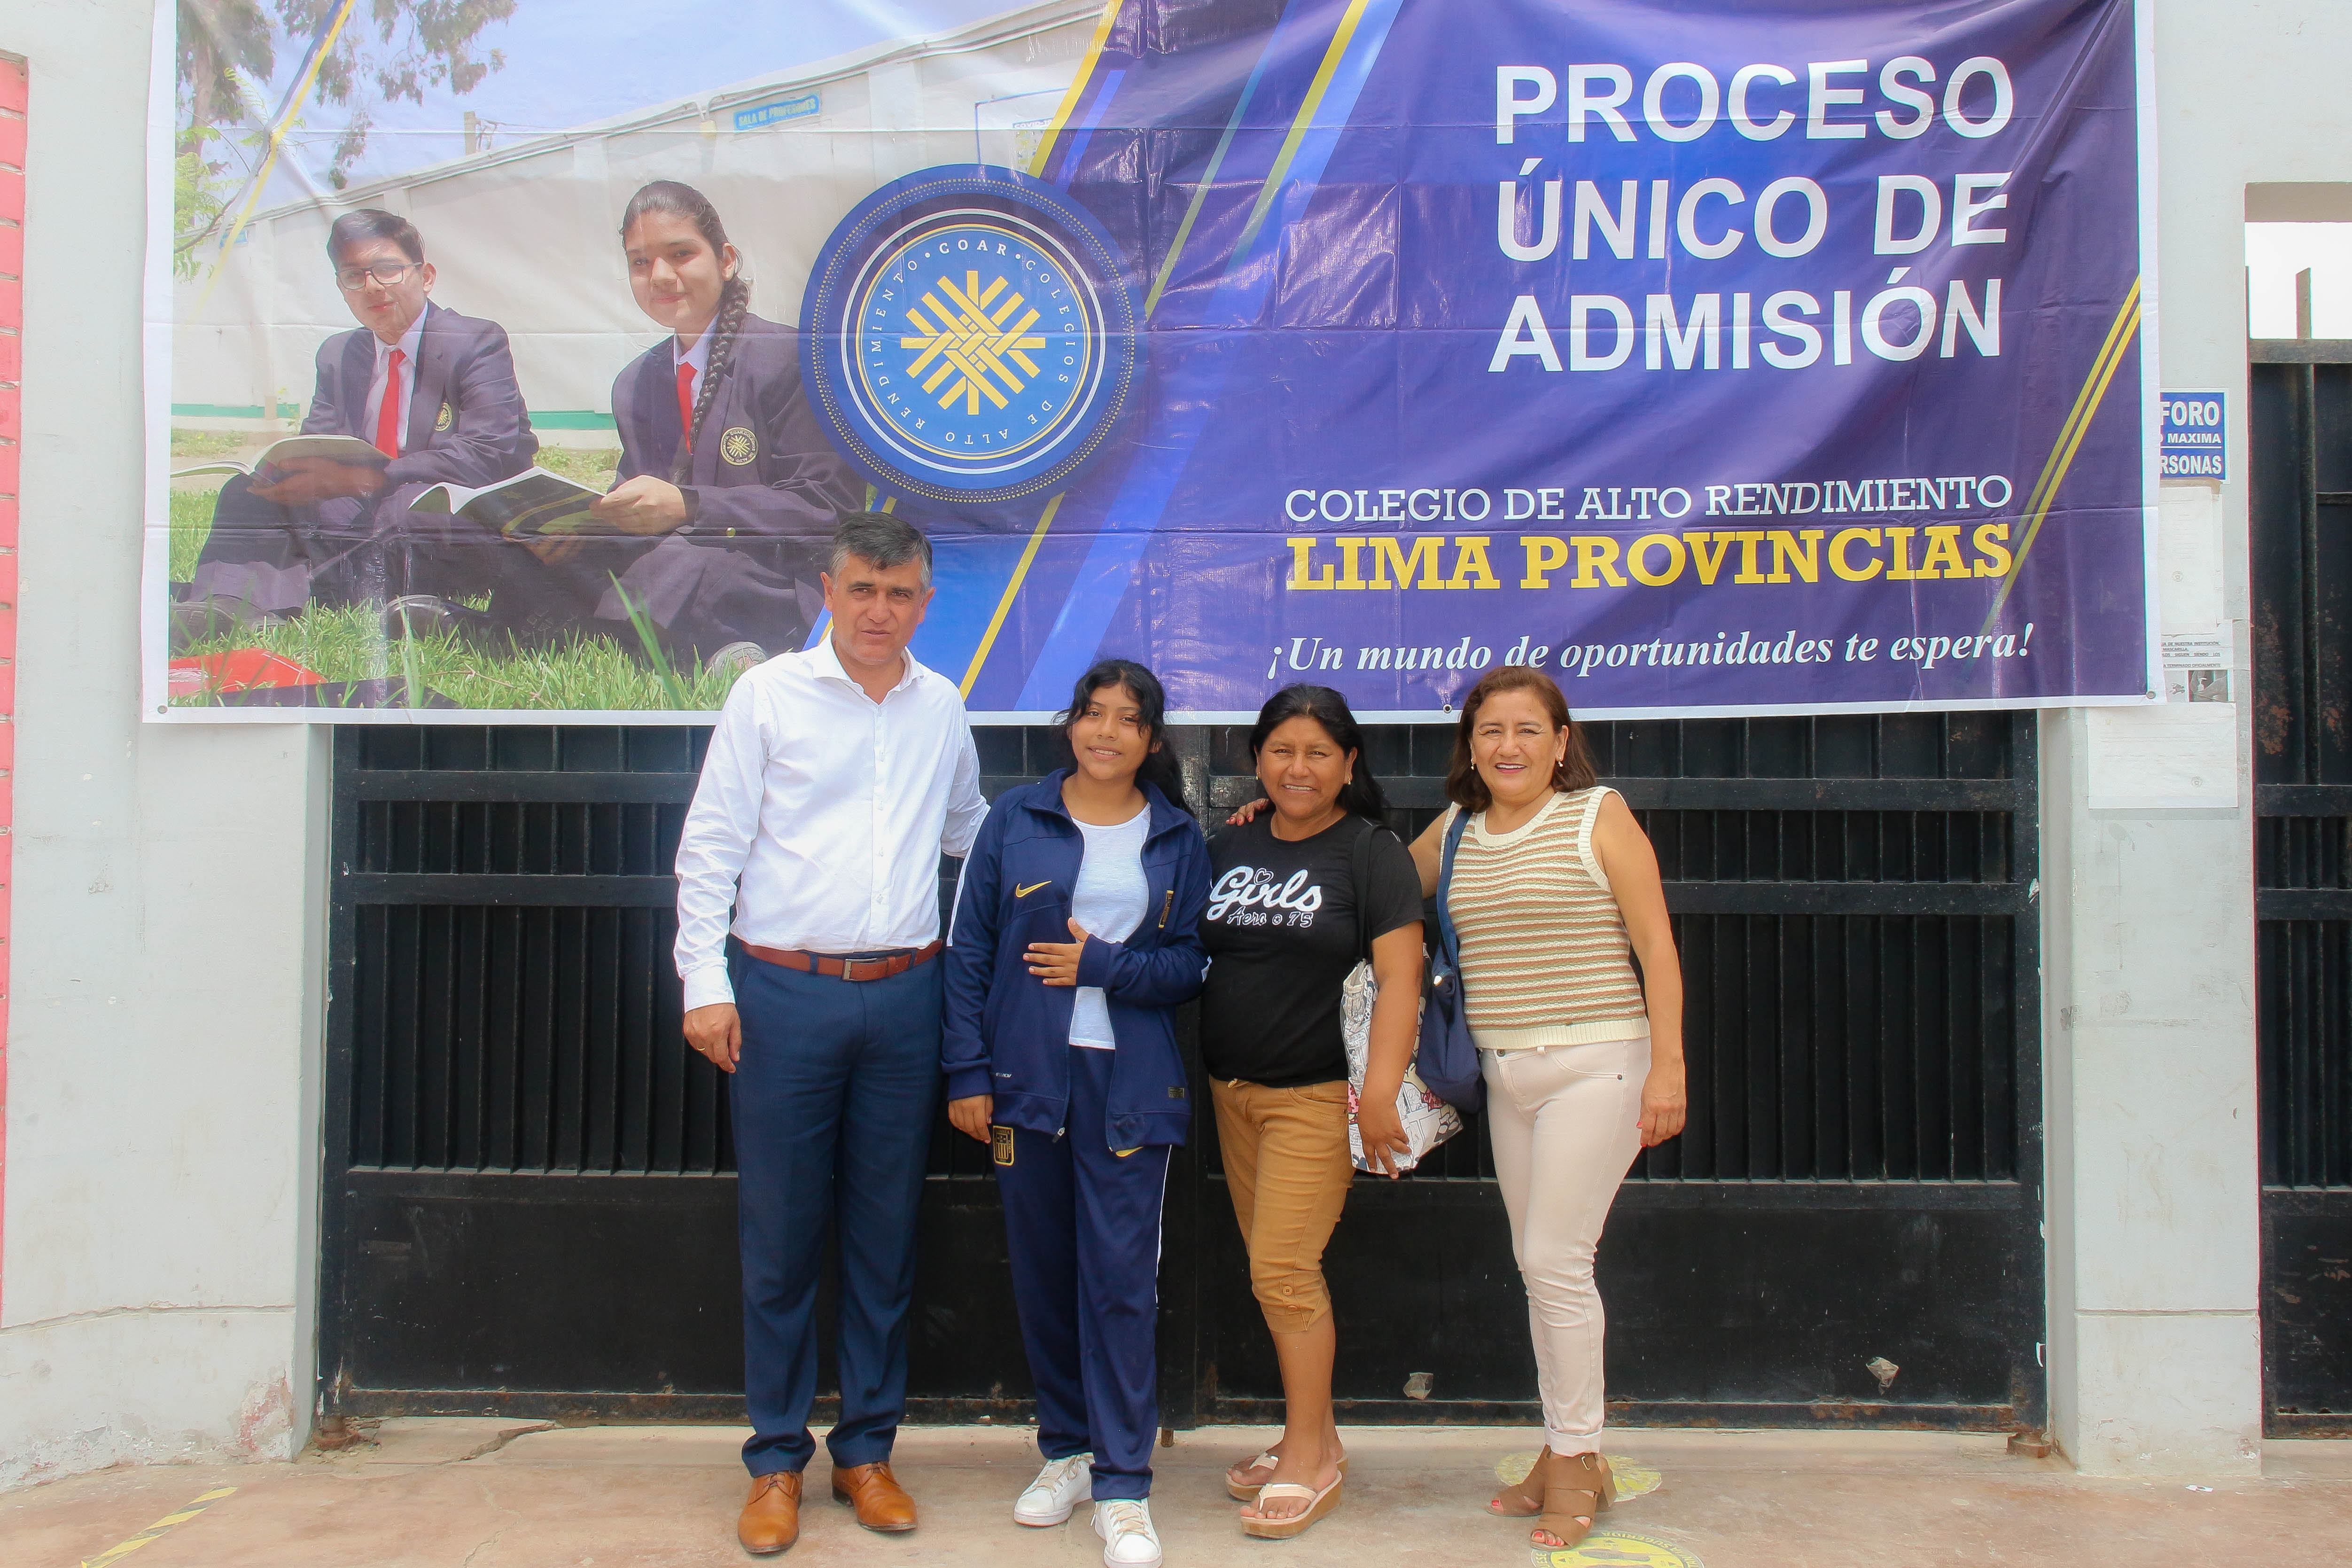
<point x="589" y="674"/>
<point x="203" y="446"/>
<point x="192" y="524"/>
<point x="586" y="675"/>
<point x="592" y="466"/>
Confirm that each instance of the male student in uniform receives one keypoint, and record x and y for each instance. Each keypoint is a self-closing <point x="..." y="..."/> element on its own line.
<point x="432" y="390"/>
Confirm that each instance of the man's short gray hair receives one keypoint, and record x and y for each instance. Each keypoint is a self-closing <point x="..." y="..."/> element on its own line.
<point x="882" y="539"/>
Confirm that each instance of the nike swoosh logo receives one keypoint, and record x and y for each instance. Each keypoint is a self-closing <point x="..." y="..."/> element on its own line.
<point x="1025" y="892"/>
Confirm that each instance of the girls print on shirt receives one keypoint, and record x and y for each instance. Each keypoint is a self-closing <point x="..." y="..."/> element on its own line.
<point x="1249" y="896"/>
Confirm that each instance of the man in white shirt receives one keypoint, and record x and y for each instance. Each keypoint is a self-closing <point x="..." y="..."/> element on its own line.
<point x="836" y="779"/>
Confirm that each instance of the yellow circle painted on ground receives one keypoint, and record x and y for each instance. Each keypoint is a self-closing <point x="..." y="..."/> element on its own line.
<point x="1632" y="1477"/>
<point x="1616" y="1549"/>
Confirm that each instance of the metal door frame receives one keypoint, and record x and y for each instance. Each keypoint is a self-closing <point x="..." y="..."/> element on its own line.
<point x="2303" y="909"/>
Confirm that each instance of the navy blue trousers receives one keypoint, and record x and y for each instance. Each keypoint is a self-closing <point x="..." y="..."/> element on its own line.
<point x="832" y="1103"/>
<point x="1084" y="1225"/>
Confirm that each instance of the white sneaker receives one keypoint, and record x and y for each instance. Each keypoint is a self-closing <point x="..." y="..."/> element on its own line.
<point x="1055" y="1492"/>
<point x="1129" y="1540"/>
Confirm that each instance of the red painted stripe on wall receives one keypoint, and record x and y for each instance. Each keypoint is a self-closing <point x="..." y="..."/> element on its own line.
<point x="14" y="101"/>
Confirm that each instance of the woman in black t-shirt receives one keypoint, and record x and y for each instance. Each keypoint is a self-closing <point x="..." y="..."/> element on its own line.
<point x="1289" y="915"/>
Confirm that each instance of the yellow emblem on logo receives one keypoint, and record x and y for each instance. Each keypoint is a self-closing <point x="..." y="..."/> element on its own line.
<point x="739" y="446"/>
<point x="1616" y="1549"/>
<point x="971" y="342"/>
<point x="447" y="417"/>
<point x="1000" y="1144"/>
<point x="1025" y="892"/>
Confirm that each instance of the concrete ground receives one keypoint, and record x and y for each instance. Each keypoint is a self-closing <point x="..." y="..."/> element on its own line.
<point x="500" y="1494"/>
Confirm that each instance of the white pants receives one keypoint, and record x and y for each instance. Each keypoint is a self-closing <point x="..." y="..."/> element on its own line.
<point x="1566" y="1122"/>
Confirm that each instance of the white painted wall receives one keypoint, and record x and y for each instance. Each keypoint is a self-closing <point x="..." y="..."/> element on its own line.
<point x="2154" y="1183"/>
<point x="154" y="1288"/>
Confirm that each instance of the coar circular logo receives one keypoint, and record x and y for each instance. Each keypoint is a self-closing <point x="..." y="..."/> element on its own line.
<point x="968" y="335"/>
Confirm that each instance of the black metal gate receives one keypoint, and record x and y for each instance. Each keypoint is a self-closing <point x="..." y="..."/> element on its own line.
<point x="2301" y="423"/>
<point x="529" y="1198"/>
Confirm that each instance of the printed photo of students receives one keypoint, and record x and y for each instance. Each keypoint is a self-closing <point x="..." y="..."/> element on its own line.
<point x="1301" y="893"/>
<point x="1075" y="934"/>
<point x="726" y="489"/>
<point x="433" y="390"/>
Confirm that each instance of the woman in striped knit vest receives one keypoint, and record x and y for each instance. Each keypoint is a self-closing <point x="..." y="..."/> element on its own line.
<point x="1555" y="887"/>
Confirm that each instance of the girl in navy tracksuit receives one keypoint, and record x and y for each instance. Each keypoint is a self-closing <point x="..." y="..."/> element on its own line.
<point x="1074" y="935"/>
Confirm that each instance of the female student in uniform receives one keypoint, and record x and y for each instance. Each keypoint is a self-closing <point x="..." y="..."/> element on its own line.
<point x="1075" y="934"/>
<point x="726" y="493"/>
<point x="1301" y="892"/>
<point x="1555" y="888"/>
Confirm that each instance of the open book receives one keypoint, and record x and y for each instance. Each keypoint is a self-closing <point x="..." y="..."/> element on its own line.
<point x="533" y="504"/>
<point x="334" y="448"/>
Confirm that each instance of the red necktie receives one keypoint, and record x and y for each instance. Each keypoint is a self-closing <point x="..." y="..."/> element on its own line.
<point x="387" y="419"/>
<point x="686" y="407"/>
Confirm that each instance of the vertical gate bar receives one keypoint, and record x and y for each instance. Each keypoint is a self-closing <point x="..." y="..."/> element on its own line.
<point x="364" y="1010"/>
<point x="2268" y="1087"/>
<point x="2316" y="1076"/>
<point x="500" y="1080"/>
<point x="535" y="1104"/>
<point x="1899" y="1143"/>
<point x="401" y="1132"/>
<point x="571" y="1040"/>
<point x="2336" y="1045"/>
<point x="475" y="1002"/>
<point x="2296" y="1110"/>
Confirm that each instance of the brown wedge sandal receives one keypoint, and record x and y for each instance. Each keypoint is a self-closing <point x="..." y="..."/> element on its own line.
<point x="1578" y="1490"/>
<point x="1524" y="1498"/>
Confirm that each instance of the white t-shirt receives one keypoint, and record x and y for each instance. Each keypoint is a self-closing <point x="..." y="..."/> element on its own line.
<point x="1109" y="902"/>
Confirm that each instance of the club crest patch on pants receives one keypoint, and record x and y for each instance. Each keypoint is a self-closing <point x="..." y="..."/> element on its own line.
<point x="1000" y="1144"/>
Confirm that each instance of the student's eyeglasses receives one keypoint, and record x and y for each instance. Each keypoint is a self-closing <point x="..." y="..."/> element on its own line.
<point x="351" y="279"/>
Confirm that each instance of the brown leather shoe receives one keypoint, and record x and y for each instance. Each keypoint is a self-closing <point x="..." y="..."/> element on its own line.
<point x="881" y="1502"/>
<point x="771" y="1514"/>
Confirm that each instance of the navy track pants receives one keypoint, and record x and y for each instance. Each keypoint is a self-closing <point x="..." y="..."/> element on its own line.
<point x="1084" y="1228"/>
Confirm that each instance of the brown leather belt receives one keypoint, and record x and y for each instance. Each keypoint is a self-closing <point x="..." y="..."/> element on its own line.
<point x="834" y="968"/>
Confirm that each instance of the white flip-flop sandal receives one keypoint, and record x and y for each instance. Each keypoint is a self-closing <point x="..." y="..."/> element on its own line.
<point x="1240" y="1492"/>
<point x="1318" y="1504"/>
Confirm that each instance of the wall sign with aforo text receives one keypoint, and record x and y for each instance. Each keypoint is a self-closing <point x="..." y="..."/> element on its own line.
<point x="2193" y="436"/>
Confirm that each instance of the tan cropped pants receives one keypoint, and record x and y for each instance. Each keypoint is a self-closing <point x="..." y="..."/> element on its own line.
<point x="1286" y="1165"/>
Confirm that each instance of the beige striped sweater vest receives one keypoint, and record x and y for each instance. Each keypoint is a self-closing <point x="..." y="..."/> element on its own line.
<point x="1545" y="958"/>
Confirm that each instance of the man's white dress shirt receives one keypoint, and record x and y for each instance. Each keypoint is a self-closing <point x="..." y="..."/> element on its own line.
<point x="410" y="343"/>
<point x="820" y="815"/>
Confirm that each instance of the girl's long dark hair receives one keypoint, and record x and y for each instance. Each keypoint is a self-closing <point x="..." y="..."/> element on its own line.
<point x="1158" y="768"/>
<point x="1361" y="795"/>
<point x="734" y="298"/>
